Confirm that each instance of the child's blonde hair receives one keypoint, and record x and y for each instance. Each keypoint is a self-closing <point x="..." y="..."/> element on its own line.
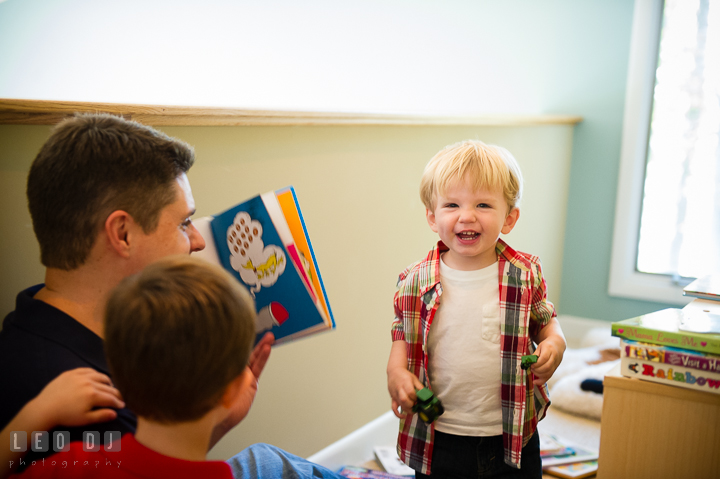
<point x="485" y="166"/>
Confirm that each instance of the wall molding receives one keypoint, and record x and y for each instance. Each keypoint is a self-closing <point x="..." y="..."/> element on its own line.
<point x="45" y="112"/>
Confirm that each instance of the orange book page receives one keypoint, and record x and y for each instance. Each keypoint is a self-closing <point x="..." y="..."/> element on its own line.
<point x="287" y="204"/>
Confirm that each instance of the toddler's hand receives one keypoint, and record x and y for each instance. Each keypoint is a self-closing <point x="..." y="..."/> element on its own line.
<point x="71" y="399"/>
<point x="550" y="354"/>
<point x="402" y="385"/>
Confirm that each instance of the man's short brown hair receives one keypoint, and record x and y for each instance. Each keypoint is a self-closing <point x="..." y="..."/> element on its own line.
<point x="91" y="166"/>
<point x="176" y="335"/>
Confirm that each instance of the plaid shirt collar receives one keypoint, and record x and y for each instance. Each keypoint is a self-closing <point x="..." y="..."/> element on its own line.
<point x="430" y="267"/>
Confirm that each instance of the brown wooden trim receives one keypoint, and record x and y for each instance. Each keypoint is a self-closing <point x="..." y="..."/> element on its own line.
<point x="43" y="112"/>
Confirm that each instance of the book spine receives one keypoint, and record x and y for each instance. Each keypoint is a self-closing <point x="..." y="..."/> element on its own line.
<point x="682" y="340"/>
<point x="672" y="357"/>
<point x="671" y="375"/>
<point x="708" y="296"/>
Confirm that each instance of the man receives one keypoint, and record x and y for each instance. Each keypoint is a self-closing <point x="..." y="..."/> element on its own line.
<point x="107" y="197"/>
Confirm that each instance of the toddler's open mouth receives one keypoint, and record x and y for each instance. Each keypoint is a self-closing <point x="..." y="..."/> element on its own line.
<point x="467" y="235"/>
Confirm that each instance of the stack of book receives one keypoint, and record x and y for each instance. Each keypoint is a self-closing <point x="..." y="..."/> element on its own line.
<point x="678" y="347"/>
<point x="562" y="458"/>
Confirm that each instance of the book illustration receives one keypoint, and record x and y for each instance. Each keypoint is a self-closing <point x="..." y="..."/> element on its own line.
<point x="663" y="328"/>
<point x="254" y="242"/>
<point x="274" y="314"/>
<point x="258" y="265"/>
<point x="707" y="287"/>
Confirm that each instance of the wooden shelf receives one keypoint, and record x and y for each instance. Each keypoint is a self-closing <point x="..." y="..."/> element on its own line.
<point x="650" y="430"/>
<point x="44" y="112"/>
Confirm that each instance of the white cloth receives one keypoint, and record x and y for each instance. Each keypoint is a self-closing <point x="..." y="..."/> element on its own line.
<point x="464" y="352"/>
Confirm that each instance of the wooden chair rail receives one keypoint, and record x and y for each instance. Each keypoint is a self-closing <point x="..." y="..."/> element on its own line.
<point x="45" y="112"/>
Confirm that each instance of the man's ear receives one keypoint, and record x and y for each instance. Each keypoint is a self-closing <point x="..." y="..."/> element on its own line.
<point x="510" y="220"/>
<point x="118" y="228"/>
<point x="430" y="216"/>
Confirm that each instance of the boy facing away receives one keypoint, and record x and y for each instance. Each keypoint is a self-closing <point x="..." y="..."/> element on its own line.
<point x="465" y="315"/>
<point x="179" y="337"/>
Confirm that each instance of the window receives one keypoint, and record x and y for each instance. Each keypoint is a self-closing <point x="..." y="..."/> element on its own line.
<point x="667" y="225"/>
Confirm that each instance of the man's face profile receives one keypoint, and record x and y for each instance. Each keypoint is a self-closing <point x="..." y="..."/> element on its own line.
<point x="175" y="233"/>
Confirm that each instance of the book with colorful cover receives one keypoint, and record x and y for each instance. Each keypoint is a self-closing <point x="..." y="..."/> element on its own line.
<point x="707" y="287"/>
<point x="576" y="470"/>
<point x="567" y="453"/>
<point x="263" y="242"/>
<point x="549" y="446"/>
<point x="672" y="366"/>
<point x="670" y="327"/>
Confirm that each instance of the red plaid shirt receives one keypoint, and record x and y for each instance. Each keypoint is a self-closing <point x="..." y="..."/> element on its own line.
<point x="524" y="311"/>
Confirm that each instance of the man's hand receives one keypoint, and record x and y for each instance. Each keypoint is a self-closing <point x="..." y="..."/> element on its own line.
<point x="243" y="402"/>
<point x="261" y="354"/>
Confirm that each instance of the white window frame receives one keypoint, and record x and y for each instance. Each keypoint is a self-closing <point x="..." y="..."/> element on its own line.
<point x="625" y="280"/>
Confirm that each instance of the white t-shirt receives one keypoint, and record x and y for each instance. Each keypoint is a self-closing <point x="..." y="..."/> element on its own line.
<point x="464" y="352"/>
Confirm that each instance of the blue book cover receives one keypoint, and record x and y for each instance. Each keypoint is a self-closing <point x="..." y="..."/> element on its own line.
<point x="261" y="254"/>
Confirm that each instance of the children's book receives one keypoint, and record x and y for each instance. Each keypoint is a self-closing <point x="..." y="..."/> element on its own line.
<point x="672" y="366"/>
<point x="671" y="327"/>
<point x="549" y="446"/>
<point x="576" y="470"/>
<point x="568" y="453"/>
<point x="263" y="242"/>
<point x="707" y="287"/>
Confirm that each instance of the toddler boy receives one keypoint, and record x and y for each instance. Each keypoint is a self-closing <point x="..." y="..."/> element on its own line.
<point x="465" y="315"/>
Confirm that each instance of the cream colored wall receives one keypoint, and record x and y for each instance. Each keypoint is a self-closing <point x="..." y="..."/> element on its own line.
<point x="358" y="190"/>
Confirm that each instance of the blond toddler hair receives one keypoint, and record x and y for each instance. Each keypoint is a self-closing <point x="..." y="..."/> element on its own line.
<point x="488" y="167"/>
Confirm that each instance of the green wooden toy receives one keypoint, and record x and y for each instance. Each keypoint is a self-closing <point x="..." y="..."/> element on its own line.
<point x="527" y="361"/>
<point x="427" y="406"/>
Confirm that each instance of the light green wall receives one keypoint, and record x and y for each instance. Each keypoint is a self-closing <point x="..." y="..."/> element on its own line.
<point x="591" y="83"/>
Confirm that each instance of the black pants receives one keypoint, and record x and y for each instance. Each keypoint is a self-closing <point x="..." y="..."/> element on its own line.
<point x="480" y="457"/>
